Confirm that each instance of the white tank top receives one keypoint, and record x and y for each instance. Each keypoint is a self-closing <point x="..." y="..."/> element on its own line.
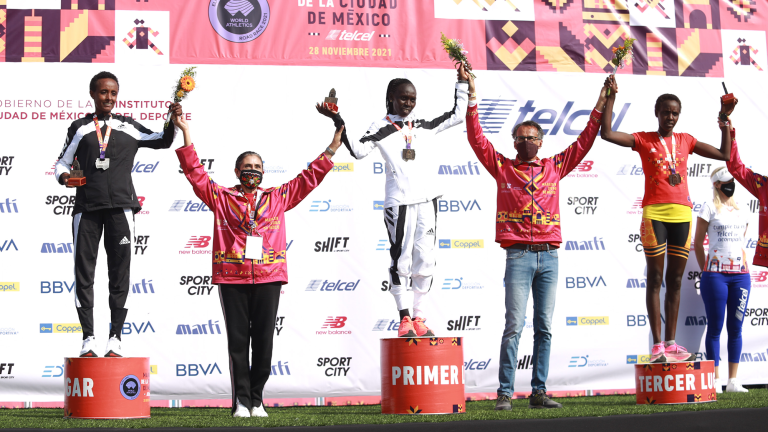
<point x="726" y="239"/>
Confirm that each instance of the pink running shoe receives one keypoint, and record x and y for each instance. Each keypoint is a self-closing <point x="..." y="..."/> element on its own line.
<point x="676" y="353"/>
<point x="421" y="328"/>
<point x="406" y="328"/>
<point x="657" y="354"/>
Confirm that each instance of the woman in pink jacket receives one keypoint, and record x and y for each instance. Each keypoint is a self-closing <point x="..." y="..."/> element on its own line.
<point x="249" y="258"/>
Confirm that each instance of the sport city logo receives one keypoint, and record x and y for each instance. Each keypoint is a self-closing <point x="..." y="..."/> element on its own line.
<point x="335" y="366"/>
<point x="10" y="286"/>
<point x="326" y="206"/>
<point x="141" y="243"/>
<point x="198" y="285"/>
<point x="586" y="321"/>
<point x="759" y="316"/>
<point x="460" y="283"/>
<point x="239" y="20"/>
<point x="333" y="324"/>
<point x="129" y="387"/>
<point x="461" y="244"/>
<point x="60" y="328"/>
<point x="583" y="205"/>
<point x="279" y="325"/>
<point x="325" y="285"/>
<point x="584" y="361"/>
<point x="9" y="206"/>
<point x="470" y="168"/>
<point x="5" y="164"/>
<point x="62" y="204"/>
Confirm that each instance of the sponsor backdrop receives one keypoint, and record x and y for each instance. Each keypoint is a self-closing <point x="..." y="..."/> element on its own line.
<point x="258" y="79"/>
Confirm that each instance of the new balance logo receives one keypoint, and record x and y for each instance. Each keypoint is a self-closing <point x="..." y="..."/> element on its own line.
<point x="431" y="232"/>
<point x="125" y="241"/>
<point x="335" y="322"/>
<point x="314" y="284"/>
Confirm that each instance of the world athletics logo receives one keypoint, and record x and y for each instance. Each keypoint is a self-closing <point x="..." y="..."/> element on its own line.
<point x="239" y="20"/>
<point x="129" y="387"/>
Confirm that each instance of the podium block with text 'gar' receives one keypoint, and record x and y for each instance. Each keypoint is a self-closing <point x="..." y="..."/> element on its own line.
<point x="675" y="383"/>
<point x="422" y="376"/>
<point x="106" y="388"/>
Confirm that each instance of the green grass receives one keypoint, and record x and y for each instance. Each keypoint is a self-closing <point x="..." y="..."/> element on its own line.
<point x="322" y="416"/>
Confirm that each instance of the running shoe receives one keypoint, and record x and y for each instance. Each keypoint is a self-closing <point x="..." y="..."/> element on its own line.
<point x="676" y="353"/>
<point x="657" y="354"/>
<point x="89" y="347"/>
<point x="735" y="387"/>
<point x="540" y="400"/>
<point x="113" y="348"/>
<point x="241" y="411"/>
<point x="421" y="328"/>
<point x="503" y="403"/>
<point x="406" y="328"/>
<point x="719" y="385"/>
<point x="259" y="411"/>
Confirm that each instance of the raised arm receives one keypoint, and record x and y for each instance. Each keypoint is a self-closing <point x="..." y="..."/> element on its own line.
<point x="724" y="152"/>
<point x="745" y="176"/>
<point x="456" y="115"/>
<point x="486" y="154"/>
<point x="358" y="149"/>
<point x="159" y="140"/>
<point x="297" y="189"/>
<point x="569" y="158"/>
<point x="606" y="129"/>
<point x="205" y="188"/>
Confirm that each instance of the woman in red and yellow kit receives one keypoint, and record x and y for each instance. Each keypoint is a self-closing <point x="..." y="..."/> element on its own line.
<point x="666" y="224"/>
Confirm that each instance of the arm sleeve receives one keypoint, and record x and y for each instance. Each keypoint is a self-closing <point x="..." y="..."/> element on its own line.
<point x="154" y="140"/>
<point x="454" y="116"/>
<point x="486" y="154"/>
<point x="705" y="212"/>
<point x="297" y="189"/>
<point x="205" y="188"/>
<point x="366" y="144"/>
<point x="569" y="158"/>
<point x="358" y="150"/>
<point x="67" y="156"/>
<point x="744" y="175"/>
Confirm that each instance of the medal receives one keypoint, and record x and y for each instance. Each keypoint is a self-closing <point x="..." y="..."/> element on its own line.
<point x="674" y="178"/>
<point x="102" y="162"/>
<point x="408" y="152"/>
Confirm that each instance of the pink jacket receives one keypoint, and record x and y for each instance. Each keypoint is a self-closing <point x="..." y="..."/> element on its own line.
<point x="757" y="185"/>
<point x="230" y="230"/>
<point x="528" y="194"/>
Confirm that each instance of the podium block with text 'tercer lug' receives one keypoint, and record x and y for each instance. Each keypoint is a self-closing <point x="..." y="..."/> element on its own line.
<point x="422" y="376"/>
<point x="675" y="383"/>
<point x="106" y="388"/>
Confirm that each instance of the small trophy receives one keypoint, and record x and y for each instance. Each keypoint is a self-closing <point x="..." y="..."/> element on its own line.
<point x="728" y="102"/>
<point x="331" y="101"/>
<point x="76" y="177"/>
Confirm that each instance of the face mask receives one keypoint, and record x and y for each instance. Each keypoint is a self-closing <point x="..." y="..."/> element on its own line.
<point x="728" y="188"/>
<point x="527" y="150"/>
<point x="250" y="178"/>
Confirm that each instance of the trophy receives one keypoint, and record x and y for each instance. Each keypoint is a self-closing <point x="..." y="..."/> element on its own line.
<point x="76" y="177"/>
<point x="728" y="102"/>
<point x="331" y="101"/>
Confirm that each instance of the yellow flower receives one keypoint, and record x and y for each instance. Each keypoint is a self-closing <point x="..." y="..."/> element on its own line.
<point x="180" y="94"/>
<point x="187" y="83"/>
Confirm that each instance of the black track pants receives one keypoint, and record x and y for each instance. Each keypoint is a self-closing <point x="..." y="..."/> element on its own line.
<point x="87" y="227"/>
<point x="249" y="314"/>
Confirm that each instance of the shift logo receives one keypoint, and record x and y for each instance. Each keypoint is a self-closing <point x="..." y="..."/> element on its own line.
<point x="6" y="163"/>
<point x="56" y="248"/>
<point x="460" y="283"/>
<point x="198" y="285"/>
<point x="699" y="170"/>
<point x="211" y="327"/>
<point x="56" y="287"/>
<point x="525" y="363"/>
<point x="633" y="170"/>
<point x="596" y="244"/>
<point x="584" y="282"/>
<point x="586" y="321"/>
<point x="386" y="324"/>
<point x="281" y="368"/>
<point x="197" y="369"/>
<point x="53" y="371"/>
<point x="465" y="322"/>
<point x="583" y="205"/>
<point x="325" y="285"/>
<point x="203" y="162"/>
<point x="143" y="287"/>
<point x="327" y="206"/>
<point x="6" y="370"/>
<point x="344" y="35"/>
<point x="333" y="324"/>
<point x="139" y="168"/>
<point x="696" y="320"/>
<point x="335" y="366"/>
<point x="198" y="245"/>
<point x="461" y="244"/>
<point x="332" y="244"/>
<point x="62" y="204"/>
<point x="754" y="207"/>
<point x="140" y="244"/>
<point x="188" y="206"/>
<point x="9" y="206"/>
<point x="132" y="327"/>
<point x="457" y="206"/>
<point x="279" y="325"/>
<point x="7" y="245"/>
<point x="470" y="168"/>
<point x="584" y="361"/>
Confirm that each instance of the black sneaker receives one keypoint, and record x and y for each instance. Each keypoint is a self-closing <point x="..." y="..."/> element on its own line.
<point x="503" y="403"/>
<point x="539" y="399"/>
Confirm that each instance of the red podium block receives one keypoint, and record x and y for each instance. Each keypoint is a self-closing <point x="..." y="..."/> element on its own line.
<point x="106" y="388"/>
<point x="675" y="383"/>
<point x="422" y="376"/>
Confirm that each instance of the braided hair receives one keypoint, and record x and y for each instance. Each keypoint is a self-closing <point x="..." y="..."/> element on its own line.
<point x="666" y="97"/>
<point x="393" y="85"/>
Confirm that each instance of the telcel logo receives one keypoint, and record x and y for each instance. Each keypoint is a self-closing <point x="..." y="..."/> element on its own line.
<point x="586" y="321"/>
<point x="60" y="328"/>
<point x="10" y="286"/>
<point x="347" y="36"/>
<point x="461" y="244"/>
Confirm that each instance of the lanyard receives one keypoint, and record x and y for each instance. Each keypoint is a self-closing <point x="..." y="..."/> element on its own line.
<point x="103" y="143"/>
<point x="408" y="138"/>
<point x="670" y="158"/>
<point x="250" y="221"/>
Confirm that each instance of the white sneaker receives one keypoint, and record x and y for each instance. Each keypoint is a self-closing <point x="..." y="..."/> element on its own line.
<point x="259" y="412"/>
<point x="735" y="387"/>
<point x="113" y="348"/>
<point x="241" y="411"/>
<point x="89" y="347"/>
<point x="719" y="383"/>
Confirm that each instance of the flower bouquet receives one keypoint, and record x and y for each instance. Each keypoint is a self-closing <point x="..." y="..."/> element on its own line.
<point x="456" y="52"/>
<point x="620" y="56"/>
<point x="184" y="85"/>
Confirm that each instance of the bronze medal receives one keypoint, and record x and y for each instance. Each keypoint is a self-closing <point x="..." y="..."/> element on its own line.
<point x="409" y="154"/>
<point x="675" y="179"/>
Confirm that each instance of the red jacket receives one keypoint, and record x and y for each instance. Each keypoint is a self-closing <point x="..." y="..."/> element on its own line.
<point x="757" y="185"/>
<point x="528" y="194"/>
<point x="230" y="229"/>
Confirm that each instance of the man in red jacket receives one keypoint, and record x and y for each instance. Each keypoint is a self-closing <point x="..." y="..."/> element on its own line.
<point x="528" y="228"/>
<point x="249" y="258"/>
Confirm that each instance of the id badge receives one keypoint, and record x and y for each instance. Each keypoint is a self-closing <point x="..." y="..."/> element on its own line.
<point x="253" y="246"/>
<point x="102" y="164"/>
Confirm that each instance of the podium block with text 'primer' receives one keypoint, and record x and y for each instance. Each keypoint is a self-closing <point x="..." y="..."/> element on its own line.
<point x="675" y="383"/>
<point x="106" y="388"/>
<point x="422" y="376"/>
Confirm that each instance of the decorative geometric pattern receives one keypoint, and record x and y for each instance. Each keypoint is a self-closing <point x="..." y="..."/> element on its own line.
<point x="742" y="9"/>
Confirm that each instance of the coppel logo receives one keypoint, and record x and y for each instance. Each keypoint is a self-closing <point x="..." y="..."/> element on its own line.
<point x="10" y="286"/>
<point x="60" y="328"/>
<point x="378" y="205"/>
<point x="638" y="358"/>
<point x="586" y="321"/>
<point x="461" y="244"/>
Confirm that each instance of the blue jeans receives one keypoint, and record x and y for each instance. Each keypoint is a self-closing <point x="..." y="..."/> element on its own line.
<point x="527" y="270"/>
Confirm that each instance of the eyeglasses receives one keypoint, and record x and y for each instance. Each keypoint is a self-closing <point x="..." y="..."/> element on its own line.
<point x="527" y="138"/>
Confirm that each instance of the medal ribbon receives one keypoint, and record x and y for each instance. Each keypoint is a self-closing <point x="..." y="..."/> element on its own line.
<point x="408" y="138"/>
<point x="103" y="143"/>
<point x="250" y="215"/>
<point x="671" y="159"/>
